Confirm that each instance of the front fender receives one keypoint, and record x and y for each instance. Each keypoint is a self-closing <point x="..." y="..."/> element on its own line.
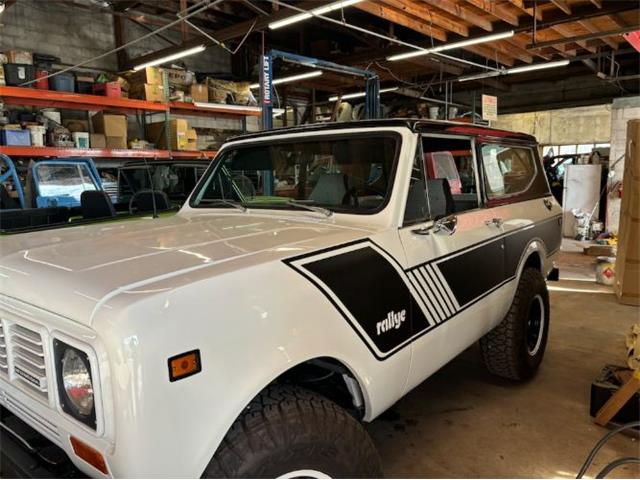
<point x="250" y="326"/>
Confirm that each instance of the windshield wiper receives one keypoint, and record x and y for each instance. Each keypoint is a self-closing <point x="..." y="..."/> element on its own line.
<point x="212" y="201"/>
<point x="325" y="211"/>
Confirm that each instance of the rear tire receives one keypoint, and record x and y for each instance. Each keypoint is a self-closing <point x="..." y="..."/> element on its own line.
<point x="288" y="431"/>
<point x="515" y="348"/>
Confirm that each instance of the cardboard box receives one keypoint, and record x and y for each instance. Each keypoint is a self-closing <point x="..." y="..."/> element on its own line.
<point x="627" y="282"/>
<point x="148" y="92"/>
<point x="77" y="125"/>
<point x="192" y="139"/>
<point x="150" y="75"/>
<point x="20" y="56"/>
<point x="199" y="92"/>
<point x="178" y="129"/>
<point x="176" y="76"/>
<point x="113" y="126"/>
<point x="97" y="140"/>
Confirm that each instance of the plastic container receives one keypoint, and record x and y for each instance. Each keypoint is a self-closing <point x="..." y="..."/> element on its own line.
<point x="15" y="74"/>
<point x="37" y="133"/>
<point x="81" y="139"/>
<point x="52" y="114"/>
<point x="41" y="82"/>
<point x="63" y="82"/>
<point x="15" y="137"/>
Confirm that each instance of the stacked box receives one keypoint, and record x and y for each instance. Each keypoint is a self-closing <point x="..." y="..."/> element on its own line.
<point x="113" y="127"/>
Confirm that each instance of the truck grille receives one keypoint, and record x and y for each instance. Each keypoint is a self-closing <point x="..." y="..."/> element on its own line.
<point x="28" y="358"/>
<point x="4" y="365"/>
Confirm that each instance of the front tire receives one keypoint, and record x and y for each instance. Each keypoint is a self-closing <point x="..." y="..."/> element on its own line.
<point x="291" y="432"/>
<point x="515" y="348"/>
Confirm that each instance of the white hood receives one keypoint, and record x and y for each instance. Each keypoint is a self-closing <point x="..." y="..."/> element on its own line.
<point x="69" y="271"/>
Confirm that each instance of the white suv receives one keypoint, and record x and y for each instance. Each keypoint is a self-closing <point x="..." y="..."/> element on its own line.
<point x="315" y="276"/>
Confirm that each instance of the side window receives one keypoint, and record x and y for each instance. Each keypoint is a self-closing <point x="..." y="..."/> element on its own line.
<point x="507" y="170"/>
<point x="451" y="172"/>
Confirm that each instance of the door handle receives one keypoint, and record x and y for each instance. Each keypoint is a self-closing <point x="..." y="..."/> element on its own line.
<point x="498" y="222"/>
<point x="444" y="226"/>
<point x="547" y="203"/>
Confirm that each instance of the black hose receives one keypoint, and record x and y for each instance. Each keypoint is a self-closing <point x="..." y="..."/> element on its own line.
<point x="615" y="464"/>
<point x="601" y="443"/>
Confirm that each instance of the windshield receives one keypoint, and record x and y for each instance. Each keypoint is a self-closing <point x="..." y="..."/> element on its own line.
<point x="345" y="173"/>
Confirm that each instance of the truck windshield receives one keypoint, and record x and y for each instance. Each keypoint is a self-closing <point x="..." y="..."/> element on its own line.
<point x="345" y="173"/>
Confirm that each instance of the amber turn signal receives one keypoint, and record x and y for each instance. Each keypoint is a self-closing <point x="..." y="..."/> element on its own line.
<point x="89" y="455"/>
<point x="184" y="365"/>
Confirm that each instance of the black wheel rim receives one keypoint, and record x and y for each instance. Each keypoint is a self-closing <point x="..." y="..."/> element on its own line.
<point x="535" y="325"/>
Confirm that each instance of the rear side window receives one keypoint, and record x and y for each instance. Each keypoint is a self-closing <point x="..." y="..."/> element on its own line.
<point x="510" y="171"/>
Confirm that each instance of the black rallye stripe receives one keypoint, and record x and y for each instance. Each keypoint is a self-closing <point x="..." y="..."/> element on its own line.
<point x="381" y="301"/>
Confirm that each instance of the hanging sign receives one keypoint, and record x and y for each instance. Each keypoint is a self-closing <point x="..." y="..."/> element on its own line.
<point x="489" y="107"/>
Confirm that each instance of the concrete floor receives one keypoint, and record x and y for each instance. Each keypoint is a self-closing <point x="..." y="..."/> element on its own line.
<point x="463" y="422"/>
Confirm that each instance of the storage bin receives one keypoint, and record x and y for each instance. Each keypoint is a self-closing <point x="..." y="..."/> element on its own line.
<point x="15" y="137"/>
<point x="63" y="82"/>
<point x="80" y="139"/>
<point x="109" y="89"/>
<point x="16" y="74"/>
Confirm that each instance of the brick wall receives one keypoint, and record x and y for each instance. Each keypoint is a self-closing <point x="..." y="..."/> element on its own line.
<point x="622" y="110"/>
<point x="75" y="34"/>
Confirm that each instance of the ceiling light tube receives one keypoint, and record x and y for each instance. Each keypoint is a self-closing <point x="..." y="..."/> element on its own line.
<point x="349" y="96"/>
<point x="537" y="66"/>
<point x="479" y="76"/>
<point x="292" y="78"/>
<point x="452" y="46"/>
<point x="316" y="11"/>
<point x="168" y="58"/>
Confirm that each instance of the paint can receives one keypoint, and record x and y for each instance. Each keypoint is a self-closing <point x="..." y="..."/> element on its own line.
<point x="37" y="133"/>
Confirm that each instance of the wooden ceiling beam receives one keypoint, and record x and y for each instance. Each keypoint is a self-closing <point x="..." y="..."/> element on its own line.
<point x="567" y="32"/>
<point x="490" y="52"/>
<point x="590" y="27"/>
<point x="428" y="15"/>
<point x="519" y="4"/>
<point x="400" y="18"/>
<point x="597" y="3"/>
<point x="459" y="11"/>
<point x="497" y="9"/>
<point x="562" y="5"/>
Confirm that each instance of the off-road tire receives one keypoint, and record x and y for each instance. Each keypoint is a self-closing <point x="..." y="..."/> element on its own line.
<point x="288" y="429"/>
<point x="504" y="349"/>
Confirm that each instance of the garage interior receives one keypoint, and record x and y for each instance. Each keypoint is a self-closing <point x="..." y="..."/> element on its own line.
<point x="564" y="71"/>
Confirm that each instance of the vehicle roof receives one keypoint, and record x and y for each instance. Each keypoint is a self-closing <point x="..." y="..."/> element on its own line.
<point x="416" y="125"/>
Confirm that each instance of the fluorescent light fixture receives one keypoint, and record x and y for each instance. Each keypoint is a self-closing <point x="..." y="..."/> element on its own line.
<point x="511" y="71"/>
<point x="168" y="58"/>
<point x="538" y="66"/>
<point x="292" y="78"/>
<point x="316" y="11"/>
<point x="349" y="96"/>
<point x="479" y="76"/>
<point x="451" y="46"/>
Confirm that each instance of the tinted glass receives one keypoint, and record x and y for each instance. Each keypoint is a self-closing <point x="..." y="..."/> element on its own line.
<point x="342" y="173"/>
<point x="508" y="170"/>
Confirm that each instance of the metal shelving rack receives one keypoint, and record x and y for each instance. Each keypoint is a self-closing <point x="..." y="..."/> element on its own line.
<point x="76" y="101"/>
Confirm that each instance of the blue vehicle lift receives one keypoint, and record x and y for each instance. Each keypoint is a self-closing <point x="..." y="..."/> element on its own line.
<point x="12" y="174"/>
<point x="372" y="82"/>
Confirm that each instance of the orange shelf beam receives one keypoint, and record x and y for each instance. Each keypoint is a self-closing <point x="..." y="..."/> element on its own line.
<point x="78" y="101"/>
<point x="22" y="151"/>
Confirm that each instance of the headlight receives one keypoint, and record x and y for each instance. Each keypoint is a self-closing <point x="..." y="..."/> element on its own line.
<point x="75" y="383"/>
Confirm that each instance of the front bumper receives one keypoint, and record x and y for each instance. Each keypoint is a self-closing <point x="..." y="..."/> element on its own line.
<point x="25" y="453"/>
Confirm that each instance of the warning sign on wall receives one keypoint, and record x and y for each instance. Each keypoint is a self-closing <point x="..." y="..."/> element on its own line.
<point x="489" y="107"/>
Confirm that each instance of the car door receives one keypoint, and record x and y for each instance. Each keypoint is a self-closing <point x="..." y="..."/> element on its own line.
<point x="524" y="210"/>
<point x="454" y="255"/>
